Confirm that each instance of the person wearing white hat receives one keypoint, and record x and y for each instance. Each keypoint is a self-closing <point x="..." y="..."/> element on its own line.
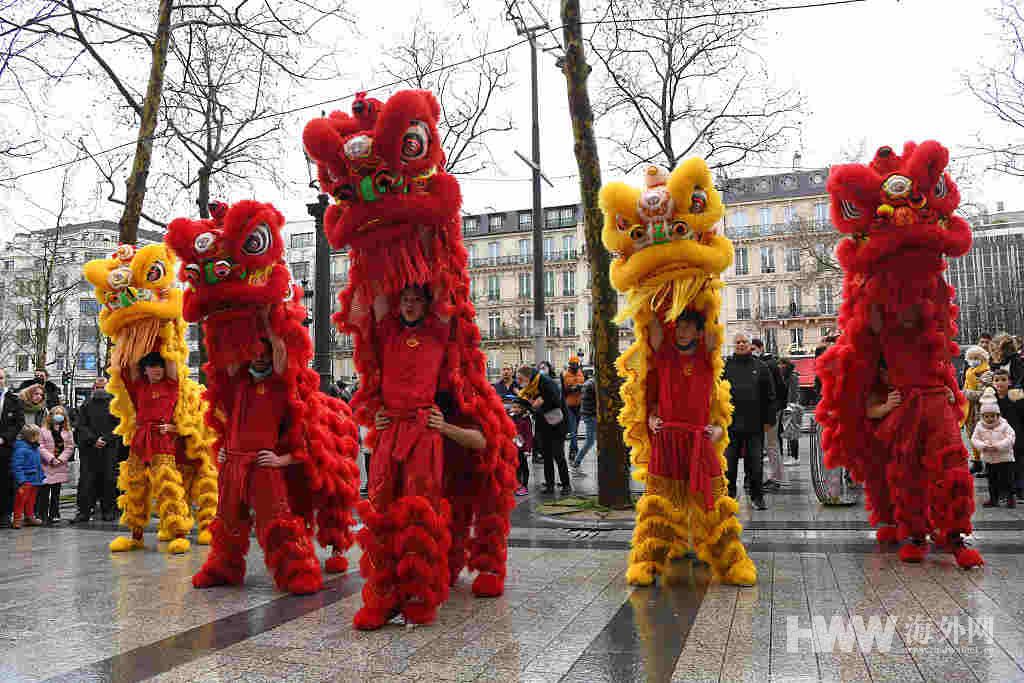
<point x="994" y="437"/>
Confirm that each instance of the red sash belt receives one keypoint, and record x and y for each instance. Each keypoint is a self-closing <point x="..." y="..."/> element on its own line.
<point x="686" y="458"/>
<point x="148" y="440"/>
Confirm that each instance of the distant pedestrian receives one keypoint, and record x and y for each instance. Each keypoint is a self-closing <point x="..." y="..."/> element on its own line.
<point x="753" y="399"/>
<point x="772" y="443"/>
<point x="27" y="470"/>
<point x="56" y="448"/>
<point x="588" y="414"/>
<point x="51" y="390"/>
<point x="98" y="447"/>
<point x="550" y="424"/>
<point x="507" y="384"/>
<point x="572" y="388"/>
<point x="791" y="417"/>
<point x="11" y="421"/>
<point x="33" y="402"/>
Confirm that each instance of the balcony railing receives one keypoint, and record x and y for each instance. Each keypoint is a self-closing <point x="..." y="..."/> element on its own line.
<point x="743" y="314"/>
<point x="518" y="333"/>
<point x="791" y="228"/>
<point x="523" y="259"/>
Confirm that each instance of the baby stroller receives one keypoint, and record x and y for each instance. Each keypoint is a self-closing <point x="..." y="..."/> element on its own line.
<point x="519" y="410"/>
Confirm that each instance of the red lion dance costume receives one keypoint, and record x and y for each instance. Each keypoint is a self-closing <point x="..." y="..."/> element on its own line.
<point x="397" y="211"/>
<point x="897" y="308"/>
<point x="234" y="271"/>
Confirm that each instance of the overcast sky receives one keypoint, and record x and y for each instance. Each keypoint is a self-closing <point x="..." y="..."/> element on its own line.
<point x="884" y="71"/>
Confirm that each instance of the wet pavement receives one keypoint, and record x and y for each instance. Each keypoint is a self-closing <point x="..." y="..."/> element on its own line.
<point x="830" y="605"/>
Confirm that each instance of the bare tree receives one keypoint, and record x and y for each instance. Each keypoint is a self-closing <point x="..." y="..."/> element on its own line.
<point x="115" y="38"/>
<point x="1000" y="87"/>
<point x="40" y="289"/>
<point x="676" y="86"/>
<point x="467" y="94"/>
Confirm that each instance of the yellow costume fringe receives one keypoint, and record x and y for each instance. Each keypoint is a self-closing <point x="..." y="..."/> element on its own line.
<point x="661" y="281"/>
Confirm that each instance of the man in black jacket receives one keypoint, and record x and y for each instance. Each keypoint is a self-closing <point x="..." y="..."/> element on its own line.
<point x="50" y="390"/>
<point x="12" y="419"/>
<point x="753" y="399"/>
<point x="98" y="447"/>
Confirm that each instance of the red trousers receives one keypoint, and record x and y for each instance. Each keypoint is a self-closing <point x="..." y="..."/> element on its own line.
<point x="408" y="461"/>
<point x="243" y="486"/>
<point x="25" y="502"/>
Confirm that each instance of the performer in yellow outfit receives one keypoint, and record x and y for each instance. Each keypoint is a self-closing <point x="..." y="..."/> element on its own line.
<point x="162" y="413"/>
<point x="677" y="409"/>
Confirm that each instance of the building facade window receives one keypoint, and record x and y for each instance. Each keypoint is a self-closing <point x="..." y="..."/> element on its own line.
<point x="88" y="306"/>
<point x="495" y="222"/>
<point x="569" y="322"/>
<point x="567" y="216"/>
<point x="493" y="288"/>
<point x="569" y="283"/>
<point x="767" y="295"/>
<point x="765" y="215"/>
<point x="770" y="339"/>
<point x="794" y="300"/>
<point x="742" y="303"/>
<point x="525" y="220"/>
<point x="549" y="283"/>
<point x="569" y="245"/>
<point x="821" y="257"/>
<point x="768" y="259"/>
<point x="792" y="260"/>
<point x="549" y="248"/>
<point x="551" y="218"/>
<point x="742" y="266"/>
<point x="821" y="212"/>
<point x="549" y="321"/>
<point x="825" y="303"/>
<point x="493" y="324"/>
<point x="524" y="250"/>
<point x="300" y="270"/>
<point x="789" y="214"/>
<point x="21" y="363"/>
<point x="739" y="218"/>
<point x="525" y="285"/>
<point x="193" y="359"/>
<point x="470" y="224"/>
<point x="302" y="240"/>
<point x="86" y="360"/>
<point x="493" y="252"/>
<point x="22" y="336"/>
<point x="525" y="323"/>
<point x="796" y="337"/>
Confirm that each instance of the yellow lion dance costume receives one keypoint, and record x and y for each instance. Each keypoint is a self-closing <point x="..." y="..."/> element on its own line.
<point x="668" y="264"/>
<point x="140" y="312"/>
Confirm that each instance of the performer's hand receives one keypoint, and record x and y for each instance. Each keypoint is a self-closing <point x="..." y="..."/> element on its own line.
<point x="100" y="443"/>
<point x="950" y="396"/>
<point x="1015" y="394"/>
<point x="986" y="377"/>
<point x="714" y="433"/>
<point x="168" y="428"/>
<point x="436" y="419"/>
<point x="894" y="399"/>
<point x="381" y="420"/>
<point x="222" y="456"/>
<point x="655" y="423"/>
<point x="271" y="459"/>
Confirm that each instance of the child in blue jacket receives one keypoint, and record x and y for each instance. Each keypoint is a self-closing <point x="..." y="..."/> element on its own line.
<point x="27" y="470"/>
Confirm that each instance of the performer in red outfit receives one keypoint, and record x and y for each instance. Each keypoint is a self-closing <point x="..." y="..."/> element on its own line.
<point x="155" y="397"/>
<point x="898" y="213"/>
<point x="240" y="288"/>
<point x="252" y="476"/>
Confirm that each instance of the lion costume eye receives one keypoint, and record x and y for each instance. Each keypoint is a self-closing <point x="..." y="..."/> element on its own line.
<point x="258" y="241"/>
<point x="203" y="242"/>
<point x="415" y="141"/>
<point x="156" y="272"/>
<point x="622" y="223"/>
<point x="897" y="186"/>
<point x="192" y="273"/>
<point x="698" y="201"/>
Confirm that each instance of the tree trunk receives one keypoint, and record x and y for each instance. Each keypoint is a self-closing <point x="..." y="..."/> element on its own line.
<point x="613" y="459"/>
<point x="136" y="191"/>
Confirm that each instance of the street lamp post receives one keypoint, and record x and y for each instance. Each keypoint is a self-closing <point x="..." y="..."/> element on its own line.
<point x="321" y="286"/>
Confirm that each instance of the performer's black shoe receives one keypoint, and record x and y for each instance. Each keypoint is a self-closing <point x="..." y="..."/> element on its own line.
<point x="565" y="489"/>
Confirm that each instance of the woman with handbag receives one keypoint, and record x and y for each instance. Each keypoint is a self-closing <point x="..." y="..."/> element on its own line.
<point x="550" y="418"/>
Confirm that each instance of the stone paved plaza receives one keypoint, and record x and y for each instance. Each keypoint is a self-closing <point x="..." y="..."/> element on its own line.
<point x="70" y="611"/>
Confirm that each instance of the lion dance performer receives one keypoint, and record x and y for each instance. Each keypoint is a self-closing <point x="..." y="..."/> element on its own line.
<point x="677" y="409"/>
<point x="417" y="352"/>
<point x="170" y="445"/>
<point x="287" y="451"/>
<point x="890" y="408"/>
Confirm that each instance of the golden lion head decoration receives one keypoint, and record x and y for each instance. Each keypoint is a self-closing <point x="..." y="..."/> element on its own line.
<point x="665" y="228"/>
<point x="134" y="285"/>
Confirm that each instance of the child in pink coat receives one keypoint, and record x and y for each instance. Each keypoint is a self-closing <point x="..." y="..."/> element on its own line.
<point x="993" y="437"/>
<point x="56" y="446"/>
